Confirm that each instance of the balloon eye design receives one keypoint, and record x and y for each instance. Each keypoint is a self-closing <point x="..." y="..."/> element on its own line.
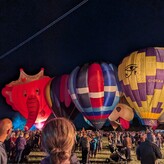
<point x="130" y="69"/>
<point x="25" y="93"/>
<point x="118" y="109"/>
<point x="37" y="91"/>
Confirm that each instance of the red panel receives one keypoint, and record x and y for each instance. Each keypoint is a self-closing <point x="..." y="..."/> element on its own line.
<point x="96" y="84"/>
<point x="125" y="124"/>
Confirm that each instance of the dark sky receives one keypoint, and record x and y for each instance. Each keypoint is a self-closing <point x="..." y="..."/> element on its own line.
<point x="100" y="30"/>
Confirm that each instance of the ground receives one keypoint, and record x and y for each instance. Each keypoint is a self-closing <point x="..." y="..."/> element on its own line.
<point x="35" y="157"/>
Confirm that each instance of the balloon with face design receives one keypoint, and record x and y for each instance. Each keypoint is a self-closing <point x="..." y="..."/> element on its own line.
<point x="27" y="96"/>
<point x="122" y="114"/>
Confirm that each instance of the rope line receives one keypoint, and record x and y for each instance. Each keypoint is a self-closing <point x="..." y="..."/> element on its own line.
<point x="44" y="29"/>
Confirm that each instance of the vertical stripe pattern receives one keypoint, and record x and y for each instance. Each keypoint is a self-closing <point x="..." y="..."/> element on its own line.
<point x="141" y="75"/>
<point x="95" y="92"/>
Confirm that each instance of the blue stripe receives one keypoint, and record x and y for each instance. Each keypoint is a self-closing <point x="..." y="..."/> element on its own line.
<point x="109" y="80"/>
<point x="109" y="98"/>
<point x="87" y="121"/>
<point x="103" y="109"/>
<point x="82" y="82"/>
<point x="72" y="87"/>
<point x="115" y="70"/>
<point x="97" y="113"/>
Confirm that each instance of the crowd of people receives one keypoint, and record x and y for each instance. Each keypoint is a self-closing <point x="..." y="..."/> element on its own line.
<point x="146" y="144"/>
<point x="16" y="145"/>
<point x="59" y="139"/>
<point x="20" y="143"/>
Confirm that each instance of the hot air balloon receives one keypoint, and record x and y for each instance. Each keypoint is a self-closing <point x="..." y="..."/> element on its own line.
<point x="26" y="95"/>
<point x="122" y="114"/>
<point x="141" y="75"/>
<point x="59" y="99"/>
<point x="95" y="91"/>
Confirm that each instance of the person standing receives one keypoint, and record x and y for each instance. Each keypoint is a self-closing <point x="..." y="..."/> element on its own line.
<point x="147" y="151"/>
<point x="5" y="131"/>
<point x="20" y="146"/>
<point x="58" y="140"/>
<point x="93" y="146"/>
<point x="127" y="142"/>
<point x="85" y="148"/>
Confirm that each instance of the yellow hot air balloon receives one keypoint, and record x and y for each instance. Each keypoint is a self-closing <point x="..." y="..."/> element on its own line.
<point x="141" y="75"/>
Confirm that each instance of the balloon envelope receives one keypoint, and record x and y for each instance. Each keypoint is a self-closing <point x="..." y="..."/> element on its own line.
<point x="142" y="79"/>
<point x="59" y="99"/>
<point x="122" y="111"/>
<point x="27" y="96"/>
<point x="95" y="91"/>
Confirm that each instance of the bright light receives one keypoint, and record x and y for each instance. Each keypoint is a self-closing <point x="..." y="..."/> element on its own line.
<point x="39" y="125"/>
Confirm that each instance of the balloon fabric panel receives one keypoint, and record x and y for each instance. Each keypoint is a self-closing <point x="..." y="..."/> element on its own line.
<point x="109" y="80"/>
<point x="72" y="88"/>
<point x="64" y="95"/>
<point x="82" y="87"/>
<point x="55" y="93"/>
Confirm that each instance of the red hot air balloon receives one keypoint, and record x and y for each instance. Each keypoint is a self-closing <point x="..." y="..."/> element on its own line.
<point x="27" y="96"/>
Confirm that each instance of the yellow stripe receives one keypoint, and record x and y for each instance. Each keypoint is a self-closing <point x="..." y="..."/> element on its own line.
<point x="121" y="72"/>
<point x="160" y="65"/>
<point x="140" y="61"/>
<point x="47" y="94"/>
<point x="132" y="104"/>
<point x="144" y="105"/>
<point x="147" y="115"/>
<point x="161" y="98"/>
<point x="150" y="65"/>
<point x="156" y="96"/>
<point x="132" y="78"/>
<point x="149" y="99"/>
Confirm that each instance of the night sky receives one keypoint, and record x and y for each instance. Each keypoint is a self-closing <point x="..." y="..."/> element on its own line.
<point x="99" y="30"/>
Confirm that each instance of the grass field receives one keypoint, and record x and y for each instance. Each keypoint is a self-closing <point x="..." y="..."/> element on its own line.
<point x="36" y="157"/>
